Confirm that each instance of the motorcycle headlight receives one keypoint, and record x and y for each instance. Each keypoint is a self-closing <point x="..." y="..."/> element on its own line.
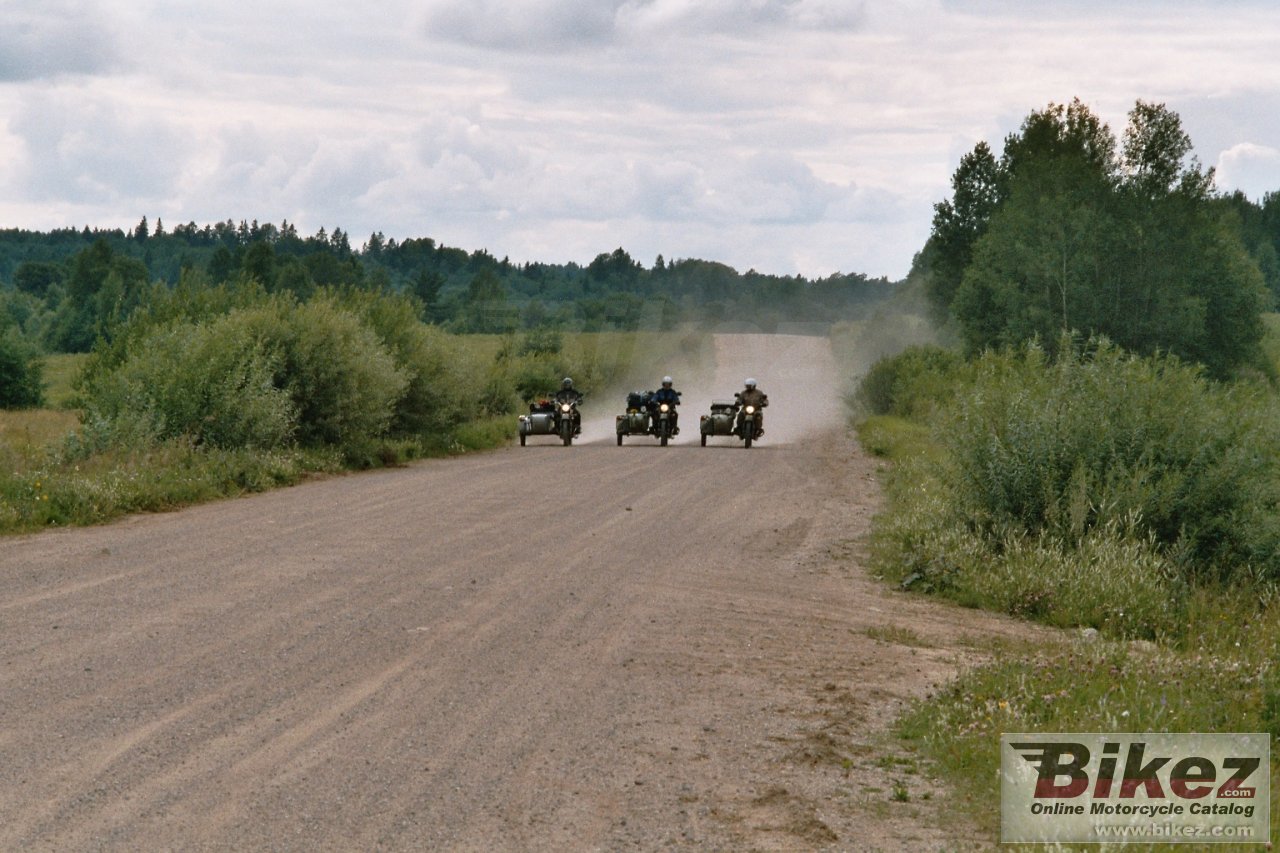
<point x="664" y="408"/>
<point x="751" y="410"/>
<point x="564" y="407"/>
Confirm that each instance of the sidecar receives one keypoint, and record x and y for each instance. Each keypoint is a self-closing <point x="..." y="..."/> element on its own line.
<point x="541" y="420"/>
<point x="636" y="419"/>
<point x="720" y="421"/>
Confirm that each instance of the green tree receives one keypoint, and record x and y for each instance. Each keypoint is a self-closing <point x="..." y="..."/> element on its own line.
<point x="1061" y="130"/>
<point x="486" y="308"/>
<point x="102" y="288"/>
<point x="1039" y="269"/>
<point x="426" y="287"/>
<point x="259" y="262"/>
<point x="1129" y="246"/>
<point x="292" y="277"/>
<point x="1155" y="152"/>
<point x="37" y="277"/>
<point x="616" y="269"/>
<point x="960" y="221"/>
<point x="222" y="265"/>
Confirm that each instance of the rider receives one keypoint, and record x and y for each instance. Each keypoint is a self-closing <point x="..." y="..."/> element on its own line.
<point x="569" y="394"/>
<point x="750" y="395"/>
<point x="669" y="395"/>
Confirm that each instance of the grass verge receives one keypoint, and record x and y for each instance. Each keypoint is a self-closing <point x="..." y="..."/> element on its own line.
<point x="1201" y="657"/>
<point x="43" y="484"/>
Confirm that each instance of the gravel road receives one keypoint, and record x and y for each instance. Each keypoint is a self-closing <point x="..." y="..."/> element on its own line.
<point x="539" y="648"/>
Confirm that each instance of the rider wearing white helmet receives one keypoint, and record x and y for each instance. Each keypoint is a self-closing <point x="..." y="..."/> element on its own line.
<point x="750" y="395"/>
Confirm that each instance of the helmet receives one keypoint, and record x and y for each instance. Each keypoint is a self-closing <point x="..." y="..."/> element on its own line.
<point x="750" y="383"/>
<point x="666" y="380"/>
<point x="567" y="383"/>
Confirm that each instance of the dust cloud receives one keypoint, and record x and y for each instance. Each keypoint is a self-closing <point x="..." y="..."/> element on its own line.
<point x="798" y="372"/>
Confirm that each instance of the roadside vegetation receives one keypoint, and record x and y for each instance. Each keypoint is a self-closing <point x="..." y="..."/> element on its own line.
<point x="1078" y="462"/>
<point x="207" y="391"/>
<point x="1126" y="499"/>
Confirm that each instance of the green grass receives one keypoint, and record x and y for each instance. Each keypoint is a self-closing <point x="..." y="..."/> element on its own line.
<point x="481" y="434"/>
<point x="1104" y="686"/>
<point x="892" y="437"/>
<point x="1271" y="340"/>
<point x="113" y="483"/>
<point x="25" y="433"/>
<point x="59" y="372"/>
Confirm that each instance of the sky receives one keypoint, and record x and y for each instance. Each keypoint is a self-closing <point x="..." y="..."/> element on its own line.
<point x="785" y="136"/>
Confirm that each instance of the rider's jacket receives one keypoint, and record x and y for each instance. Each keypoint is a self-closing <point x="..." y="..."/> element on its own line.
<point x="568" y="395"/>
<point x="665" y="395"/>
<point x="753" y="397"/>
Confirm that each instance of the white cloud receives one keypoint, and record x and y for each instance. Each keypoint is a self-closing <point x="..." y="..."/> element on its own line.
<point x="786" y="135"/>
<point x="1253" y="169"/>
<point x="49" y="39"/>
<point x="532" y="25"/>
<point x="546" y="26"/>
<point x="80" y="149"/>
<point x="727" y="17"/>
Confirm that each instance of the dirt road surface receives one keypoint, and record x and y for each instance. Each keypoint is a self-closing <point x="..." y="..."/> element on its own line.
<point x="540" y="648"/>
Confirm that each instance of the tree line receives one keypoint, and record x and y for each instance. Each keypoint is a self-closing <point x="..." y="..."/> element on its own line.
<point x="67" y="287"/>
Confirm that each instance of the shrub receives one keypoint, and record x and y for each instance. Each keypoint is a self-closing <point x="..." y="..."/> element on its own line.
<point x="1100" y="489"/>
<point x="254" y="377"/>
<point x="343" y="383"/>
<point x="910" y="384"/>
<point x="544" y="340"/>
<point x="1113" y="579"/>
<point x="21" y="373"/>
<point x="442" y="379"/>
<point x="1100" y="437"/>
<point x="211" y="383"/>
<point x="534" y="378"/>
<point x="192" y="301"/>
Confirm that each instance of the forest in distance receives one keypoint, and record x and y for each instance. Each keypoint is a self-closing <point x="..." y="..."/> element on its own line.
<point x="61" y="287"/>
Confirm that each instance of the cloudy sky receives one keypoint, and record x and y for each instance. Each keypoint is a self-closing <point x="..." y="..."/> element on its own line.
<point x="808" y="136"/>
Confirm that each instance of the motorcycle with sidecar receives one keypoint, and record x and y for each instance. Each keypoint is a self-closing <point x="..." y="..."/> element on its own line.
<point x="548" y="417"/>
